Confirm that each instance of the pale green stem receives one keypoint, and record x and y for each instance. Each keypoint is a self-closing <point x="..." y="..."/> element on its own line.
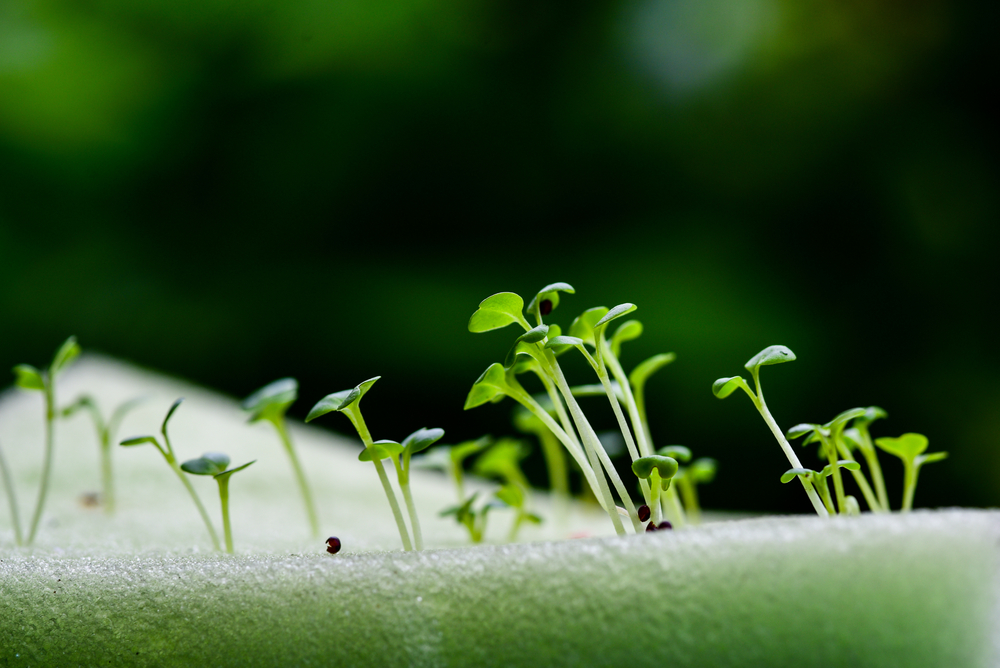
<point x="623" y="426"/>
<point x="168" y="454"/>
<point x="366" y="439"/>
<point x="224" y="497"/>
<point x="861" y="481"/>
<point x="909" y="484"/>
<point x="555" y="462"/>
<point x="15" y="515"/>
<point x="824" y="493"/>
<point x="107" y="474"/>
<point x="47" y="463"/>
<point x="655" y="510"/>
<point x="838" y="482"/>
<point x="758" y="401"/>
<point x="689" y="495"/>
<point x="875" y="467"/>
<point x="594" y="445"/>
<point x="300" y="476"/>
<point x="635" y="415"/>
<point x="675" y="513"/>
<point x="403" y="476"/>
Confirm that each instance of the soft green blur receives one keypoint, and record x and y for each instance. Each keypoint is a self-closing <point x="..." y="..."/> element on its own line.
<point x="239" y="192"/>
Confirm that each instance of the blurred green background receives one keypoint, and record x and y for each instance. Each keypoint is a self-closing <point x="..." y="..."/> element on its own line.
<point x="235" y="192"/>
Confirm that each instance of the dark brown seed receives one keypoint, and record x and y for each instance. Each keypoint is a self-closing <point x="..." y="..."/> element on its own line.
<point x="664" y="525"/>
<point x="643" y="513"/>
<point x="333" y="545"/>
<point x="545" y="307"/>
<point x="650" y="527"/>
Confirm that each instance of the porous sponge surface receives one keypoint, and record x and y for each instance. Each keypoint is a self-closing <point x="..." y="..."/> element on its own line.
<point x="918" y="590"/>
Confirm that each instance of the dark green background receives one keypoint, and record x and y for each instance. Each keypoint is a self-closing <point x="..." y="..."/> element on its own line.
<point x="234" y="192"/>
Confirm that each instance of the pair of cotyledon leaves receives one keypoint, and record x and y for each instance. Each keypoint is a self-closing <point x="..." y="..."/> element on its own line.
<point x="723" y="387"/>
<point x="271" y="401"/>
<point x="827" y="470"/>
<point x="214" y="464"/>
<point x="505" y="308"/>
<point x="30" y="378"/>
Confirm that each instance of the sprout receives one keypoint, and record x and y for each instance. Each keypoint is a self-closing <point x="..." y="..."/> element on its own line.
<point x="348" y="402"/>
<point x="28" y="377"/>
<point x="171" y="459"/>
<point x="270" y="403"/>
<point x="415" y="443"/>
<point x="473" y="519"/>
<point x="105" y="437"/>
<point x="910" y="448"/>
<point x="214" y="464"/>
<point x="15" y="515"/>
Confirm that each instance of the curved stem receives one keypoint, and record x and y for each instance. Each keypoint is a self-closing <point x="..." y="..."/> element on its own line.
<point x="15" y="515"/>
<point x="47" y="463"/>
<point x="300" y="476"/>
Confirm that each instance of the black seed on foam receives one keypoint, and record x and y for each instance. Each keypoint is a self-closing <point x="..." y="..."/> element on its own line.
<point x="545" y="307"/>
<point x="650" y="527"/>
<point x="333" y="545"/>
<point x="643" y="513"/>
<point x="664" y="525"/>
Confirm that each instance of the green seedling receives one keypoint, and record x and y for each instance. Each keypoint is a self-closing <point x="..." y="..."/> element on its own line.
<point x="503" y="460"/>
<point x="106" y="431"/>
<point x="8" y="484"/>
<point x="723" y="387"/>
<point x="670" y="501"/>
<point x="832" y="448"/>
<point x="515" y="497"/>
<point x="658" y="470"/>
<point x="818" y="480"/>
<point x="416" y="442"/>
<point x="857" y="437"/>
<point x="270" y="403"/>
<point x="29" y="378"/>
<point x="910" y="448"/>
<point x="473" y="519"/>
<point x="214" y="464"/>
<point x="450" y="458"/>
<point x="167" y="451"/>
<point x="348" y="402"/>
<point x="700" y="472"/>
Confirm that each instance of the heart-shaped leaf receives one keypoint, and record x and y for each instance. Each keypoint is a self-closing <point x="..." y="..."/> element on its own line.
<point x="665" y="466"/>
<point x="550" y="294"/>
<point x="490" y="386"/>
<point x="906" y="447"/>
<point x="496" y="311"/>
<point x="67" y="352"/>
<point x="271" y="401"/>
<point x="614" y="313"/>
<point x="790" y="474"/>
<point x="678" y="452"/>
<point x="210" y="463"/>
<point x="770" y="355"/>
<point x="28" y="377"/>
<point x="340" y="401"/>
<point x="702" y="470"/>
<point x="422" y="439"/>
<point x="583" y="326"/>
<point x="723" y="387"/>
<point x="848" y="464"/>
<point x="627" y="331"/>
<point x="382" y="449"/>
<point x="648" y="367"/>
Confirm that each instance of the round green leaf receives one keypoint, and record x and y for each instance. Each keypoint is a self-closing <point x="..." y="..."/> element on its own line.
<point x="535" y="334"/>
<point x="648" y="367"/>
<point x="906" y="447"/>
<point x="790" y="474"/>
<point x="723" y="387"/>
<point x="770" y="355"/>
<point x="210" y="463"/>
<point x="272" y="400"/>
<point x="627" y="331"/>
<point x="550" y="292"/>
<point x="422" y="439"/>
<point x="665" y="466"/>
<point x="702" y="470"/>
<point x="382" y="449"/>
<point x="496" y="311"/>
<point x="339" y="401"/>
<point x="583" y="326"/>
<point x="678" y="452"/>
<point x="67" y="352"/>
<point x="614" y="313"/>
<point x="28" y="377"/>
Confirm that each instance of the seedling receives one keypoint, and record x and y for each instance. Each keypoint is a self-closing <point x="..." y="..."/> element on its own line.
<point x="30" y="378"/>
<point x="658" y="470"/>
<point x="701" y="471"/>
<point x="8" y="484"/>
<point x="818" y="480"/>
<point x="106" y="431"/>
<point x="473" y="519"/>
<point x="270" y="403"/>
<point x="168" y="454"/>
<point x="723" y="387"/>
<point x="857" y="437"/>
<point x="416" y="442"/>
<point x="515" y="497"/>
<point x="214" y="464"/>
<point x="450" y="458"/>
<point x="348" y="402"/>
<point x="910" y="448"/>
<point x="670" y="501"/>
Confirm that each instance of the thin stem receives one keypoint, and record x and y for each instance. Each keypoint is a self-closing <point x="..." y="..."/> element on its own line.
<point x="838" y="482"/>
<point x="15" y="515"/>
<point x="654" y="501"/>
<point x="47" y="464"/>
<point x="555" y="462"/>
<point x="910" y="485"/>
<point x="224" y="497"/>
<point x="194" y="497"/>
<point x="300" y="476"/>
<point x="676" y="512"/>
<point x="403" y="476"/>
<point x="868" y="450"/>
<point x="824" y="493"/>
<point x="689" y="494"/>
<point x="860" y="479"/>
<point x="817" y="503"/>
<point x="635" y="415"/>
<point x="107" y="474"/>
<point x="366" y="438"/>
